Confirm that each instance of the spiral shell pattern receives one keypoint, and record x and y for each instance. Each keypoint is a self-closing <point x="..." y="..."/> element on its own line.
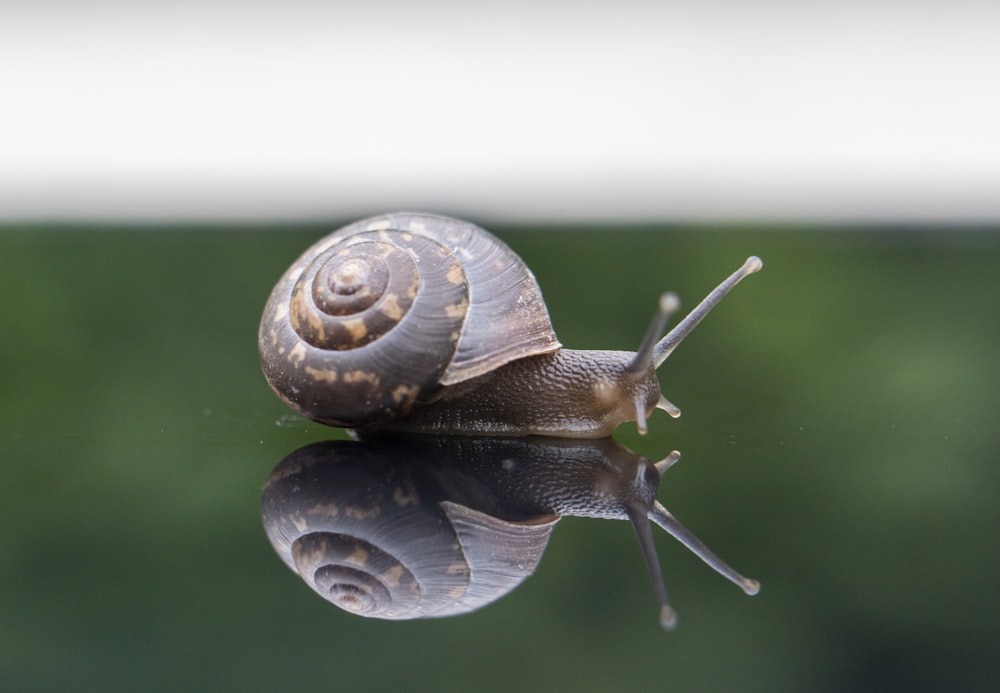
<point x="374" y="535"/>
<point x="373" y="319"/>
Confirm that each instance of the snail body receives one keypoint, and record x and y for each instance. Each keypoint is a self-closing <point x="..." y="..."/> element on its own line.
<point x="428" y="324"/>
<point x="569" y="393"/>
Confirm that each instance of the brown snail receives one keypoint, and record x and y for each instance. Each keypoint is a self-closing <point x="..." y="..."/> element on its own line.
<point x="428" y="324"/>
<point x="437" y="526"/>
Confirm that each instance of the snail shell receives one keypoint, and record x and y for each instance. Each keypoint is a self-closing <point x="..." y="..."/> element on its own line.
<point x="402" y="528"/>
<point x="374" y="319"/>
<point x="383" y="533"/>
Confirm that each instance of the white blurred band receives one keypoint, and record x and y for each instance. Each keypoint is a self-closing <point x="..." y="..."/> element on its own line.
<point x="643" y="110"/>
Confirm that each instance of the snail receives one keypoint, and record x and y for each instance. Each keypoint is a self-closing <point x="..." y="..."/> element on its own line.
<point x="423" y="323"/>
<point x="402" y="528"/>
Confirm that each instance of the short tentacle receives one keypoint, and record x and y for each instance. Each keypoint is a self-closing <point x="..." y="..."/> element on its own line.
<point x="668" y="462"/>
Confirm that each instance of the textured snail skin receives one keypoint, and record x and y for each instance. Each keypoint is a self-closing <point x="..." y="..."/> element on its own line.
<point x="570" y="393"/>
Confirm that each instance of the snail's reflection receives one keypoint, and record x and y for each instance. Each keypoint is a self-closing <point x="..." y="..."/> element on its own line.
<point x="426" y="527"/>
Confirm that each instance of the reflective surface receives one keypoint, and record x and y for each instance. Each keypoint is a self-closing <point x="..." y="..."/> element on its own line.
<point x="405" y="527"/>
<point x="838" y="444"/>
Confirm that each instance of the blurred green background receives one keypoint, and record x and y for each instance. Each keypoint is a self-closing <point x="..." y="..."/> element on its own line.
<point x="838" y="436"/>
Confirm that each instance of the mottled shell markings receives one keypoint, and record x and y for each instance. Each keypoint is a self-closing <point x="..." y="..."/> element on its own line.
<point x="374" y="319"/>
<point x="280" y="312"/>
<point x="406" y="496"/>
<point x="300" y="523"/>
<point x="393" y="576"/>
<point x="457" y="568"/>
<point x="325" y="510"/>
<point x="455" y="274"/>
<point x="391" y="308"/>
<point x="457" y="310"/>
<point x="297" y="355"/>
<point x="357" y="513"/>
<point x="405" y="393"/>
<point x="358" y="556"/>
<point x="357" y="329"/>
<point x="329" y="377"/>
<point x="362" y="377"/>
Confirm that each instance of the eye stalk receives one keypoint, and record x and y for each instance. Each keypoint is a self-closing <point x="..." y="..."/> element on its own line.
<point x="642" y="364"/>
<point x="666" y="345"/>
<point x="654" y="351"/>
<point x="640" y="512"/>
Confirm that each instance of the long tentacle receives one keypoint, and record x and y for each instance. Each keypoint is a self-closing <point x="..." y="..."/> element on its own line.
<point x="664" y="519"/>
<point x="666" y="345"/>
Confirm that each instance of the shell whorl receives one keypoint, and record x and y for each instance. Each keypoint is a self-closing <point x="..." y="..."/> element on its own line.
<point x="373" y="319"/>
<point x="353" y="294"/>
<point x="355" y="575"/>
<point x="374" y="535"/>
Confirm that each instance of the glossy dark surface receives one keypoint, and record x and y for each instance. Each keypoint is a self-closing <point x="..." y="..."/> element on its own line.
<point x="838" y="438"/>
